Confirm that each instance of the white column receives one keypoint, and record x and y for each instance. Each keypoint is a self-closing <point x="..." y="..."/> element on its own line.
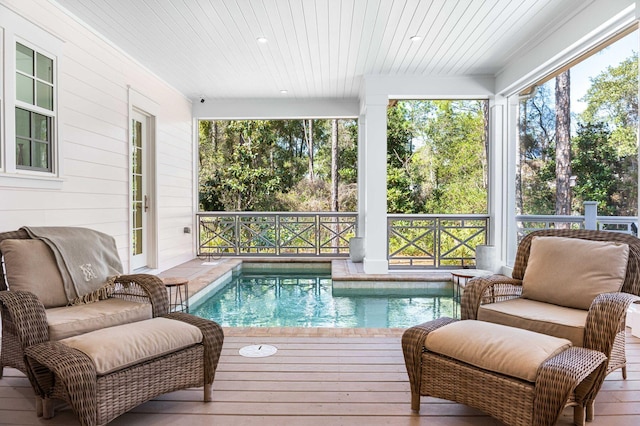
<point x="510" y="150"/>
<point x="362" y="174"/>
<point x="375" y="187"/>
<point x="498" y="188"/>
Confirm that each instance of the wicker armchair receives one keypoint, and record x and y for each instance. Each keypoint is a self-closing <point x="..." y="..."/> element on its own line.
<point x="24" y="316"/>
<point x="604" y="328"/>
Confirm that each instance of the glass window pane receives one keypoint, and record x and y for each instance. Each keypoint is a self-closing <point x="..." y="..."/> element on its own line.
<point x="137" y="241"/>
<point x="136" y="163"/>
<point x="137" y="137"/>
<point x="41" y="155"/>
<point x="24" y="59"/>
<point x="23" y="124"/>
<point x="44" y="68"/>
<point x="24" y="88"/>
<point x="137" y="215"/>
<point x="137" y="189"/>
<point x="44" y="95"/>
<point x="23" y="152"/>
<point x="40" y="127"/>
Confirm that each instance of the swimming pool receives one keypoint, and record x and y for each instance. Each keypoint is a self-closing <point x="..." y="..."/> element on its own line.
<point x="284" y="299"/>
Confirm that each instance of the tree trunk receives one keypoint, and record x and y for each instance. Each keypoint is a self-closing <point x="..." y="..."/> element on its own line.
<point x="520" y="157"/>
<point x="334" y="165"/>
<point x="308" y="138"/>
<point x="215" y="136"/>
<point x="563" y="145"/>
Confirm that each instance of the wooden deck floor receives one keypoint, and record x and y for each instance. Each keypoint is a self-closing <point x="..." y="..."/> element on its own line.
<point x="318" y="377"/>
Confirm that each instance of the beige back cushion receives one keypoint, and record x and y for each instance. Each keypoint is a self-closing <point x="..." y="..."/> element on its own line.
<point x="572" y="272"/>
<point x="31" y="266"/>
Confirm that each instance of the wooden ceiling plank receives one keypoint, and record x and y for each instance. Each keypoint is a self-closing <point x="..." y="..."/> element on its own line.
<point x="395" y="25"/>
<point x="413" y="16"/>
<point x="506" y="19"/>
<point x="450" y="46"/>
<point x="446" y="15"/>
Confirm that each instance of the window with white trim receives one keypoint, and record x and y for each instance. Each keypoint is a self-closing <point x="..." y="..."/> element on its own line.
<point x="34" y="111"/>
<point x="30" y="148"/>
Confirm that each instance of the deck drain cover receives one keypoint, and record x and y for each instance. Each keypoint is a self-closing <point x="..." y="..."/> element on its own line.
<point x="258" y="351"/>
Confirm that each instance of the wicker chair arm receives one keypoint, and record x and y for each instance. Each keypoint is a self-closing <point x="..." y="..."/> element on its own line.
<point x="147" y="287"/>
<point x="28" y="316"/>
<point x="560" y="375"/>
<point x="71" y="365"/>
<point x="212" y="337"/>
<point x="413" y="346"/>
<point x="606" y="318"/>
<point x="481" y="290"/>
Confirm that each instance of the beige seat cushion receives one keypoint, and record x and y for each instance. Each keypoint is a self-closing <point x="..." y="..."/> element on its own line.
<point x="73" y="320"/>
<point x="546" y="318"/>
<point x="572" y="272"/>
<point x="30" y="266"/>
<point x="114" y="348"/>
<point x="506" y="350"/>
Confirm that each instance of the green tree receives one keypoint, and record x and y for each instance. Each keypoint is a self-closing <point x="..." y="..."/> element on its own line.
<point x="596" y="164"/>
<point x="261" y="165"/>
<point x="535" y="174"/>
<point x="436" y="157"/>
<point x="403" y="183"/>
<point x="612" y="99"/>
<point x="455" y="158"/>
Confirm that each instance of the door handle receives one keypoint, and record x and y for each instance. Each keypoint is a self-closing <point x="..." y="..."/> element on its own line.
<point x="146" y="203"/>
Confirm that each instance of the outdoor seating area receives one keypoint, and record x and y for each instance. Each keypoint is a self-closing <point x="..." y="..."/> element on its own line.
<point x="518" y="376"/>
<point x="549" y="380"/>
<point x="37" y="308"/>
<point x="103" y="343"/>
<point x="319" y="213"/>
<point x="574" y="284"/>
<point x="319" y="377"/>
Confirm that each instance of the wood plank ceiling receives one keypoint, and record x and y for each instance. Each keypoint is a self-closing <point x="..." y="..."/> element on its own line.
<point x="317" y="48"/>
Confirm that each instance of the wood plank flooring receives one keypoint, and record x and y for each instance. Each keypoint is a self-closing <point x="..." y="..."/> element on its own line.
<point x="339" y="378"/>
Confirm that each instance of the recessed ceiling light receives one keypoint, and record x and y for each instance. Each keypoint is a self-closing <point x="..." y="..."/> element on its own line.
<point x="415" y="38"/>
<point x="284" y="91"/>
<point x="262" y="40"/>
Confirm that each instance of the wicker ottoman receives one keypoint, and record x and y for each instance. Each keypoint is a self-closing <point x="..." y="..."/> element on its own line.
<point x="515" y="375"/>
<point x="107" y="372"/>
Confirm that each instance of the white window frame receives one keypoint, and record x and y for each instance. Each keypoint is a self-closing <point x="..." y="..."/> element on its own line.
<point x="16" y="29"/>
<point x="625" y="22"/>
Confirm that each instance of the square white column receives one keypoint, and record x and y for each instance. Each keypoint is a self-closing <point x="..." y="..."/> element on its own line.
<point x="375" y="185"/>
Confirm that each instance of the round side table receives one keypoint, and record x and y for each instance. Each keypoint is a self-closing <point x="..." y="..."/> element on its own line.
<point x="177" y="302"/>
<point x="460" y="279"/>
<point x="462" y="276"/>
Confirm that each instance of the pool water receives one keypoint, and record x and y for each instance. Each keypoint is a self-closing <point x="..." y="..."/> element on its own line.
<point x="278" y="299"/>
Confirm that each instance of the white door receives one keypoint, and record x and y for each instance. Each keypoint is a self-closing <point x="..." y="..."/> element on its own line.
<point x="140" y="200"/>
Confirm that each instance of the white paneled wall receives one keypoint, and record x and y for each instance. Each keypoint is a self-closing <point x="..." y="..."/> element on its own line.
<point x="94" y="80"/>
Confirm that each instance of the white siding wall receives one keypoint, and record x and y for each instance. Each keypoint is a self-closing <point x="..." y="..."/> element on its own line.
<point x="94" y="78"/>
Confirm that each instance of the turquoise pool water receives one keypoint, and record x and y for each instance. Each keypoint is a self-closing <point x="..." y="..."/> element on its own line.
<point x="281" y="299"/>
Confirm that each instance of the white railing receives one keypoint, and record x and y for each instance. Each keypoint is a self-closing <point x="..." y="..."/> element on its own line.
<point x="435" y="241"/>
<point x="414" y="241"/>
<point x="590" y="220"/>
<point x="427" y="241"/>
<point x="275" y="233"/>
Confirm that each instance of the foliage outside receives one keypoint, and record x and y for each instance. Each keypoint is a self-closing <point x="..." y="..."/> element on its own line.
<point x="603" y="157"/>
<point x="276" y="165"/>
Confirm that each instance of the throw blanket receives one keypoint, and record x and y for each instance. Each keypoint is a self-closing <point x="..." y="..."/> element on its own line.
<point x="87" y="259"/>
